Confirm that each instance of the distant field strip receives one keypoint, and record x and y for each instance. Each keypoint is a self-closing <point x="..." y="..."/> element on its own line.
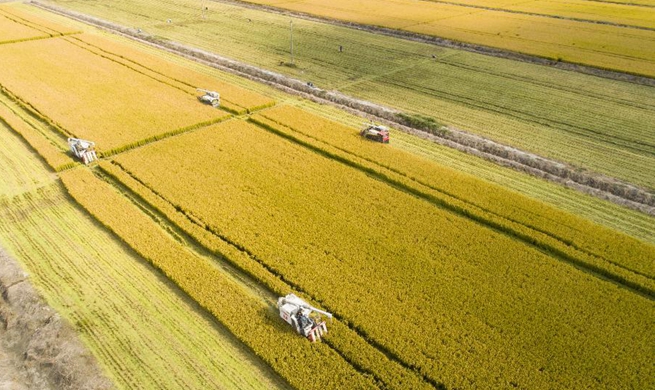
<point x="17" y="25"/>
<point x="593" y="123"/>
<point x="603" y="46"/>
<point x="233" y="97"/>
<point x="11" y="31"/>
<point x="580" y="10"/>
<point x="278" y="190"/>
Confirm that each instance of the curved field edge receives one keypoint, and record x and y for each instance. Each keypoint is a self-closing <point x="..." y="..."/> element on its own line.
<point x="144" y="332"/>
<point x="223" y="299"/>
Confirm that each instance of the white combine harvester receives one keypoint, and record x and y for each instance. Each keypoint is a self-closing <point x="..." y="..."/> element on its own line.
<point x="297" y="313"/>
<point x="210" y="97"/>
<point x="84" y="150"/>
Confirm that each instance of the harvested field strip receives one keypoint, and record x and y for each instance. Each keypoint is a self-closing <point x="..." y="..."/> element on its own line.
<point x="278" y="346"/>
<point x="21" y="169"/>
<point x="147" y="335"/>
<point x="353" y="346"/>
<point x="138" y="331"/>
<point x="452" y="284"/>
<point x="591" y="239"/>
<point x="114" y="106"/>
<point x="189" y="79"/>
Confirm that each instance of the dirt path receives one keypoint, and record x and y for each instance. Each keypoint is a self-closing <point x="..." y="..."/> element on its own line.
<point x="39" y="350"/>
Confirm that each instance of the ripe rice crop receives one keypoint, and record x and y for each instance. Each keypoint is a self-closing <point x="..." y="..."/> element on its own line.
<point x="251" y="321"/>
<point x="572" y="231"/>
<point x="94" y="98"/>
<point x="435" y="289"/>
<point x="17" y="16"/>
<point x="346" y="341"/>
<point x="627" y="15"/>
<point x="11" y="31"/>
<point x="181" y="77"/>
<point x="54" y="156"/>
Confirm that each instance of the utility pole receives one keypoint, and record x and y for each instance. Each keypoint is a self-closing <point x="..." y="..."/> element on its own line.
<point x="291" y="29"/>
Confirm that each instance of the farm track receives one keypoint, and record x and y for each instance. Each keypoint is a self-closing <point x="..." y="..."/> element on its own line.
<point x="591" y="183"/>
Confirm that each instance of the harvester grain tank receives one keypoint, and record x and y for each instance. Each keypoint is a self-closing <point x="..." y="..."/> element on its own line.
<point x="83" y="149"/>
<point x="210" y="97"/>
<point x="304" y="318"/>
<point x="376" y="133"/>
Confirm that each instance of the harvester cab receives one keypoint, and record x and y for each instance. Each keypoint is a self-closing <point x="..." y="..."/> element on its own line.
<point x="376" y="133"/>
<point x="83" y="149"/>
<point x="304" y="319"/>
<point x="210" y="97"/>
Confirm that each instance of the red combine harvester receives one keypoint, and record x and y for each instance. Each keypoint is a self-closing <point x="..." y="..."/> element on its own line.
<point x="376" y="133"/>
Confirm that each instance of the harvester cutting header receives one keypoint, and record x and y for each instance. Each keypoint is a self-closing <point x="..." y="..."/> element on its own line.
<point x="304" y="318"/>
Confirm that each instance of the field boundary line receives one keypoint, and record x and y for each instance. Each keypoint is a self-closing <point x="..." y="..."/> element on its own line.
<point x="620" y="3"/>
<point x="591" y="183"/>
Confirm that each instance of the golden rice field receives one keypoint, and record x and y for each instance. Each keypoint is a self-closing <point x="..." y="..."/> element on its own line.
<point x="168" y="254"/>
<point x="17" y="25"/>
<point x="89" y="278"/>
<point x="604" y="46"/>
<point x="594" y="11"/>
<point x="336" y="233"/>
